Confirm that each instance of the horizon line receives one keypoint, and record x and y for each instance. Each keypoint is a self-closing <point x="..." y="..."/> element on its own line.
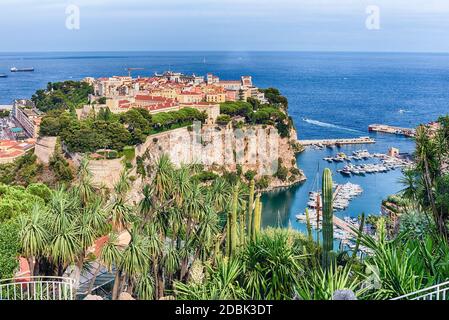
<point x="218" y="51"/>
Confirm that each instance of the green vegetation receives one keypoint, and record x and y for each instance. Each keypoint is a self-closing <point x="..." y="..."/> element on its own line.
<point x="4" y="113"/>
<point x="22" y="171"/>
<point x="9" y="249"/>
<point x="109" y="131"/>
<point x="274" y="97"/>
<point x="62" y="95"/>
<point x="282" y="172"/>
<point x="263" y="183"/>
<point x="256" y="113"/>
<point x="328" y="219"/>
<point x="206" y="176"/>
<point x="223" y="119"/>
<point x="59" y="165"/>
<point x="17" y="200"/>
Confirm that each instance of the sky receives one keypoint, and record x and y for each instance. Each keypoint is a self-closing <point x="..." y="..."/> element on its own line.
<point x="225" y="25"/>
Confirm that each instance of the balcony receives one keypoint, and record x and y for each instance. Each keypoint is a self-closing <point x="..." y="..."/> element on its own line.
<point x="37" y="288"/>
<point x="437" y="292"/>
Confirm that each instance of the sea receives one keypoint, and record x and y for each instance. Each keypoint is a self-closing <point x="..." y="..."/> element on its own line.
<point x="331" y="95"/>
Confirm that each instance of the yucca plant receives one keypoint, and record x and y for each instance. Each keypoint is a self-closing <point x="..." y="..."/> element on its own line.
<point x="319" y="284"/>
<point x="272" y="266"/>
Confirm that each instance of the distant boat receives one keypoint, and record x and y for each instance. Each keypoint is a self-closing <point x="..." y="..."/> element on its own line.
<point x="3" y="75"/>
<point x="14" y="69"/>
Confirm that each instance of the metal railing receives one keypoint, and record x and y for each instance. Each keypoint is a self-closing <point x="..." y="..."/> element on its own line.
<point x="437" y="292"/>
<point x="37" y="288"/>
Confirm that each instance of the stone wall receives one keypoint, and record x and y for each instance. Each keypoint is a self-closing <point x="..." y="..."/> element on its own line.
<point x="106" y="172"/>
<point x="45" y="148"/>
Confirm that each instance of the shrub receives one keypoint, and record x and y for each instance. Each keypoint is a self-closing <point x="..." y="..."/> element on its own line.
<point x="250" y="175"/>
<point x="206" y="176"/>
<point x="9" y="249"/>
<point x="223" y="119"/>
<point x="282" y="173"/>
<point x="40" y="190"/>
<point x="263" y="183"/>
<point x="295" y="171"/>
<point x="129" y="152"/>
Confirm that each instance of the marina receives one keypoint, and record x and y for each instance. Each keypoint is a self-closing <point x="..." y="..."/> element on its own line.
<point x="386" y="163"/>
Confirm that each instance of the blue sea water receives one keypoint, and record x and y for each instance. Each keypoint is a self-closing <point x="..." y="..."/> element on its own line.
<point x="331" y="95"/>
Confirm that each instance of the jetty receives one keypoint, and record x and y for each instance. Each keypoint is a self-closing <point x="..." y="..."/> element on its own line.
<point x="337" y="142"/>
<point x="407" y="132"/>
<point x="343" y="225"/>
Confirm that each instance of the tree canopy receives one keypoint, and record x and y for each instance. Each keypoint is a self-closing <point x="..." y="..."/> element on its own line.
<point x="62" y="95"/>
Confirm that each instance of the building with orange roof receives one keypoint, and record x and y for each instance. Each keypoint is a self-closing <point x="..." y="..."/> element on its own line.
<point x="10" y="150"/>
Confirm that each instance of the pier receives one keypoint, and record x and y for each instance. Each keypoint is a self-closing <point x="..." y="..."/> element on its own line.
<point x="408" y="132"/>
<point x="337" y="142"/>
<point x="343" y="225"/>
<point x="339" y="223"/>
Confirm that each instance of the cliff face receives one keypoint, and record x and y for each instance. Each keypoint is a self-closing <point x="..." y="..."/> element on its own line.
<point x="223" y="148"/>
<point x="217" y="148"/>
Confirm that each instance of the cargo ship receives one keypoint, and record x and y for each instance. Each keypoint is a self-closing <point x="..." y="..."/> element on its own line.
<point x="14" y="69"/>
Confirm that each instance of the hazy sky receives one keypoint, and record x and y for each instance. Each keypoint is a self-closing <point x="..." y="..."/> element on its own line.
<point x="324" y="25"/>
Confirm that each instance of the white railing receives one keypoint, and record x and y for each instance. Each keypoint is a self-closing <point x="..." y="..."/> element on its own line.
<point x="37" y="288"/>
<point x="437" y="292"/>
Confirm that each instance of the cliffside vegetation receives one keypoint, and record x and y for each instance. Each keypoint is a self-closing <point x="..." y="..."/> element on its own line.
<point x="22" y="171"/>
<point x="62" y="95"/>
<point x="274" y="113"/>
<point x="110" y="131"/>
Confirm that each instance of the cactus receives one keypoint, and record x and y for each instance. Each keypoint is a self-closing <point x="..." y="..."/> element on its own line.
<point x="309" y="226"/>
<point x="318" y="208"/>
<point x="359" y="236"/>
<point x="257" y="218"/>
<point x="251" y="207"/>
<point x="232" y="227"/>
<point x="242" y="224"/>
<point x="328" y="216"/>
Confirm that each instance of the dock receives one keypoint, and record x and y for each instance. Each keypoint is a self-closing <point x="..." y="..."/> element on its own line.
<point x="383" y="128"/>
<point x="337" y="142"/>
<point x="343" y="225"/>
<point x="339" y="223"/>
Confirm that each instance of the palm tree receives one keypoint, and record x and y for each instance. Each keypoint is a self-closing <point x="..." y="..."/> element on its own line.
<point x="34" y="236"/>
<point x="134" y="262"/>
<point x="410" y="182"/>
<point x="84" y="186"/>
<point x="163" y="182"/>
<point x="429" y="166"/>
